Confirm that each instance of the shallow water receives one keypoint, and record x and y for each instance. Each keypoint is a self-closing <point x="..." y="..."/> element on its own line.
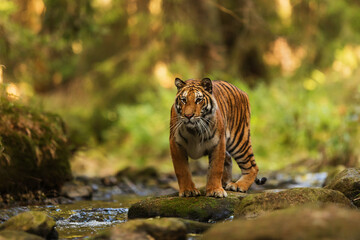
<point x="82" y="218"/>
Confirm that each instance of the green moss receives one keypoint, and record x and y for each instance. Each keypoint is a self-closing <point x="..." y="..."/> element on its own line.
<point x="196" y="208"/>
<point x="31" y="222"/>
<point x="34" y="153"/>
<point x="257" y="204"/>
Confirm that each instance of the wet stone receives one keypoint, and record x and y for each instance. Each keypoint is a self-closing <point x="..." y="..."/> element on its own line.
<point x="203" y="209"/>
<point x="347" y="182"/>
<point x="18" y="235"/>
<point x="159" y="229"/>
<point x="33" y="222"/>
<point x="75" y="191"/>
<point x="135" y="175"/>
<point x="109" y="181"/>
<point x="329" y="222"/>
<point x="120" y="234"/>
<point x="195" y="227"/>
<point x="255" y="205"/>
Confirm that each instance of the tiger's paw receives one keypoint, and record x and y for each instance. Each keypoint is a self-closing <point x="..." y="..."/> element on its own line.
<point x="190" y="193"/>
<point x="237" y="187"/>
<point x="216" y="192"/>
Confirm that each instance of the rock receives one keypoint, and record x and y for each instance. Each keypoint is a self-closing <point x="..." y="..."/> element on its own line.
<point x="75" y="191"/>
<point x="347" y="182"/>
<point x="255" y="205"/>
<point x="138" y="175"/>
<point x="201" y="208"/>
<point x="109" y="181"/>
<point x="159" y="229"/>
<point x="33" y="222"/>
<point x="18" y="235"/>
<point x="332" y="171"/>
<point x="328" y="222"/>
<point x="205" y="209"/>
<point x="120" y="234"/>
<point x="34" y="154"/>
<point x="195" y="226"/>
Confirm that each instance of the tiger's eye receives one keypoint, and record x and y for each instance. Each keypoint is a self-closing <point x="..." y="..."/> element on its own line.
<point x="183" y="100"/>
<point x="198" y="100"/>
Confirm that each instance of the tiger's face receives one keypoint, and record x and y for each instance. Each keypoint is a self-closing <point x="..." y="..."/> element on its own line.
<point x="194" y="104"/>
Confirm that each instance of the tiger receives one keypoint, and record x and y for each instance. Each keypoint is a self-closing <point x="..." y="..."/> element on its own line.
<point x="212" y="118"/>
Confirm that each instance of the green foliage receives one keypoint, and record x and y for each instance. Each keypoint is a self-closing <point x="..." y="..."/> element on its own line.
<point x="107" y="67"/>
<point x="143" y="128"/>
<point x="290" y="123"/>
<point x="7" y="8"/>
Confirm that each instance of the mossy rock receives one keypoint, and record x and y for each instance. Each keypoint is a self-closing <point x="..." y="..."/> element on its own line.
<point x="329" y="222"/>
<point x="347" y="182"/>
<point x="159" y="229"/>
<point x="38" y="223"/>
<point x="34" y="154"/>
<point x="201" y="208"/>
<point x="331" y="171"/>
<point x="255" y="205"/>
<point x="18" y="235"/>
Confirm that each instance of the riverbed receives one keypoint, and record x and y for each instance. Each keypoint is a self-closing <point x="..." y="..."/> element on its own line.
<point x="82" y="218"/>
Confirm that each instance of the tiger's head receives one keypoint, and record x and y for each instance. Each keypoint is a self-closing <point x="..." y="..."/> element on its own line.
<point x="194" y="103"/>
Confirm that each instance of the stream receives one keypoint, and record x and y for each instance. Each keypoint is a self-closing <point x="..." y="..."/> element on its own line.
<point x="82" y="218"/>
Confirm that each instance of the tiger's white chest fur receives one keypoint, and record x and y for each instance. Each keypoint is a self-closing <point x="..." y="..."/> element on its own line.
<point x="194" y="144"/>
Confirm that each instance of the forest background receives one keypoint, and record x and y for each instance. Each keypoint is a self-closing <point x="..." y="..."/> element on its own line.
<point x="108" y="67"/>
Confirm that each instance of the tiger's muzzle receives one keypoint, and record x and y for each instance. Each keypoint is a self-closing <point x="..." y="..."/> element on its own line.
<point x="189" y="120"/>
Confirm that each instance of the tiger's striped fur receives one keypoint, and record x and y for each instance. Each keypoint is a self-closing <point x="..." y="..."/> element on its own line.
<point x="212" y="118"/>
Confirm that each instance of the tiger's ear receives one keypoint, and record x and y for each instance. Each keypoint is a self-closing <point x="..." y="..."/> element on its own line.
<point x="207" y="84"/>
<point x="179" y="83"/>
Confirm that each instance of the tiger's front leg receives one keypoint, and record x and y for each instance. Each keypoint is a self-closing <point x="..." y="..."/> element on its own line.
<point x="181" y="165"/>
<point x="215" y="172"/>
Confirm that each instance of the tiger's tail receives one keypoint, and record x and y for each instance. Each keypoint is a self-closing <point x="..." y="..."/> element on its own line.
<point x="261" y="181"/>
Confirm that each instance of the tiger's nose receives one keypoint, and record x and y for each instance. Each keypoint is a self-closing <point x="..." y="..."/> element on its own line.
<point x="189" y="115"/>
